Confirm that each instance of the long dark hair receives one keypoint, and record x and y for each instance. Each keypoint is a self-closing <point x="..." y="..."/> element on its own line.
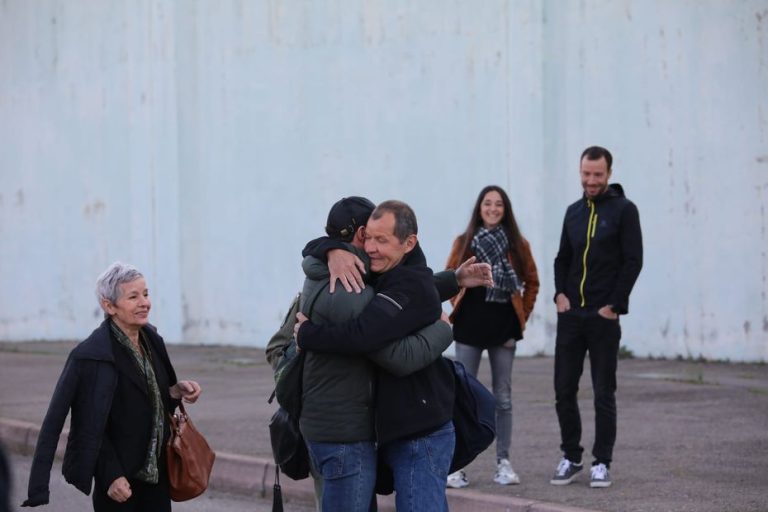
<point x="508" y="222"/>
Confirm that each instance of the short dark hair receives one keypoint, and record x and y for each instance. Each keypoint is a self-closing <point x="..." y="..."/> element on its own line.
<point x="405" y="219"/>
<point x="596" y="153"/>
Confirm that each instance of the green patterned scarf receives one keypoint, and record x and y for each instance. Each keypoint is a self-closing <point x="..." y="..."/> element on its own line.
<point x="149" y="472"/>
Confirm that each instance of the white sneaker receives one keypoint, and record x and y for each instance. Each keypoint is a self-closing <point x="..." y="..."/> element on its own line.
<point x="505" y="475"/>
<point x="600" y="477"/>
<point x="457" y="480"/>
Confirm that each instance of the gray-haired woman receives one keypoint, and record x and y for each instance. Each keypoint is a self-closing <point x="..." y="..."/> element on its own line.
<point x="120" y="386"/>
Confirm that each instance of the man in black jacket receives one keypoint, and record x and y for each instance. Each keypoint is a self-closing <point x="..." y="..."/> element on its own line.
<point x="413" y="416"/>
<point x="600" y="257"/>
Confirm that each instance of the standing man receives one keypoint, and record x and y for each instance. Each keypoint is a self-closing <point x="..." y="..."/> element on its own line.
<point x="600" y="257"/>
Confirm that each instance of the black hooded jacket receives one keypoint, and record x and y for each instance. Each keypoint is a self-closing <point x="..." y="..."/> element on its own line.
<point x="601" y="251"/>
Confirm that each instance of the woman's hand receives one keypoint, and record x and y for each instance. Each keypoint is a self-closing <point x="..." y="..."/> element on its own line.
<point x="187" y="390"/>
<point x="119" y="490"/>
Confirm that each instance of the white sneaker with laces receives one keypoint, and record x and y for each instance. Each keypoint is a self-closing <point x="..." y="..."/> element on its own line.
<point x="505" y="475"/>
<point x="457" y="480"/>
<point x="599" y="477"/>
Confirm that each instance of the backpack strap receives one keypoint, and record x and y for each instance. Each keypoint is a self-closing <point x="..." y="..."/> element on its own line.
<point x="312" y="299"/>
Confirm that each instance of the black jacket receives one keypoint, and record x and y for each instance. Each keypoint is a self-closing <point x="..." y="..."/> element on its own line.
<point x="406" y="300"/>
<point x="601" y="251"/>
<point x="111" y="414"/>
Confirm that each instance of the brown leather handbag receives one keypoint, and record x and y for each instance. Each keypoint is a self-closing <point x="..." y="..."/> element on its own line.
<point x="190" y="459"/>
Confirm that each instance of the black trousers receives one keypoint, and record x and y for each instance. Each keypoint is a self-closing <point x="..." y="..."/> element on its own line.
<point x="144" y="497"/>
<point x="580" y="332"/>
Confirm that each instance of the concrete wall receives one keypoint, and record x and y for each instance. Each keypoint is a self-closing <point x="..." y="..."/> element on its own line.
<point x="205" y="141"/>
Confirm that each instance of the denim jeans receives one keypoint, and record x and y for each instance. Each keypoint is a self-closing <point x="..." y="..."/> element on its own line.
<point x="501" y="359"/>
<point x="348" y="472"/>
<point x="580" y="331"/>
<point x="420" y="468"/>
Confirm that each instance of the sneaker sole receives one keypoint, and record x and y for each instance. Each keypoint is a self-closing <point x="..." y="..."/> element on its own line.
<point x="511" y="482"/>
<point x="459" y="485"/>
<point x="599" y="485"/>
<point x="563" y="482"/>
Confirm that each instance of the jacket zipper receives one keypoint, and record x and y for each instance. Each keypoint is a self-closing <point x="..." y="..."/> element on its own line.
<point x="591" y="227"/>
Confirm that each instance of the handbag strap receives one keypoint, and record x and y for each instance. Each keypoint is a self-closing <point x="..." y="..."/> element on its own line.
<point x="183" y="414"/>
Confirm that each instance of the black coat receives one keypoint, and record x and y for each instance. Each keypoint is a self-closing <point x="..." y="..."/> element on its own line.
<point x="111" y="414"/>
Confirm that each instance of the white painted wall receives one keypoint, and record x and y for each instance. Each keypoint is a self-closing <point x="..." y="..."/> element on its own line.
<point x="205" y="141"/>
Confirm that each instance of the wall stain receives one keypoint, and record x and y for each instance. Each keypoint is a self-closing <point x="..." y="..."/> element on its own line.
<point x="647" y="109"/>
<point x="664" y="52"/>
<point x="747" y="327"/>
<point x="94" y="209"/>
<point x="20" y="197"/>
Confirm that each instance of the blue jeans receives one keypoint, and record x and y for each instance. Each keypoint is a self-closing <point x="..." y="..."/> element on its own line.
<point x="501" y="359"/>
<point x="420" y="468"/>
<point x="348" y="472"/>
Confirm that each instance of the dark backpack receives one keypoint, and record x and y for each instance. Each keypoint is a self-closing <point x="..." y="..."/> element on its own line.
<point x="474" y="417"/>
<point x="288" y="447"/>
<point x="289" y="379"/>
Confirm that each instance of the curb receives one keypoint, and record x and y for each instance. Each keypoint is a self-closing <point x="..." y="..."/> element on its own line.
<point x="247" y="475"/>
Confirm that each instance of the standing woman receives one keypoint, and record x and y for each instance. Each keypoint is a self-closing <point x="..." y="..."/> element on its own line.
<point x="493" y="319"/>
<point x="121" y="386"/>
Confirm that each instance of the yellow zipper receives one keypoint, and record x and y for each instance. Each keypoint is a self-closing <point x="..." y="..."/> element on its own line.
<point x="591" y="227"/>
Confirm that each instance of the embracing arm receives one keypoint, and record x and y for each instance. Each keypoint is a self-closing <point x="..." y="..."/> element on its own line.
<point x="383" y="320"/>
<point x="414" y="352"/>
<point x="446" y="283"/>
<point x="406" y="301"/>
<point x="343" y="264"/>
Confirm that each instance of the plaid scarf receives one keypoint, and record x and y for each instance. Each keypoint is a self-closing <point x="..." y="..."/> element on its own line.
<point x="149" y="472"/>
<point x="492" y="246"/>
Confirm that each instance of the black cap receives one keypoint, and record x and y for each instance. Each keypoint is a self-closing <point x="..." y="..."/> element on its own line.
<point x="347" y="215"/>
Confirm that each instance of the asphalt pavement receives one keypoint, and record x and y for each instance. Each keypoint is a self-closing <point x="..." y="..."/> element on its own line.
<point x="69" y="499"/>
<point x="692" y="436"/>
